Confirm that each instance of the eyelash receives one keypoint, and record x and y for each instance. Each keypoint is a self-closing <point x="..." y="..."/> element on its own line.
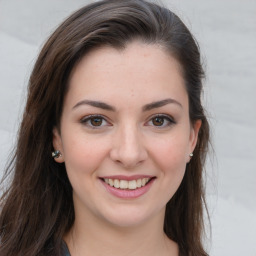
<point x="85" y="121"/>
<point x="170" y="121"/>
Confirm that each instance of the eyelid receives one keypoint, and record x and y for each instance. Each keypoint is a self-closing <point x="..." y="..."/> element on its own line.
<point x="87" y="118"/>
<point x="167" y="117"/>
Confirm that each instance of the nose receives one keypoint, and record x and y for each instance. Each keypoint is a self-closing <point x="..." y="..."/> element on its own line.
<point x="128" y="148"/>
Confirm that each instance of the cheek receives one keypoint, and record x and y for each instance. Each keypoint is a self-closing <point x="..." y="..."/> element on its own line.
<point x="83" y="154"/>
<point x="171" y="152"/>
<point x="169" y="155"/>
<point x="82" y="159"/>
<point x="171" y="160"/>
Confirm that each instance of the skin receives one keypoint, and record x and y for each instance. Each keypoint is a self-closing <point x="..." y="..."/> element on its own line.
<point x="127" y="141"/>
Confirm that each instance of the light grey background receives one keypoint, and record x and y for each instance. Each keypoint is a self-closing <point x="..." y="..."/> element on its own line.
<point x="226" y="31"/>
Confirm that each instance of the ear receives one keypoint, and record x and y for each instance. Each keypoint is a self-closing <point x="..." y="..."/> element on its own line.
<point x="195" y="127"/>
<point x="57" y="145"/>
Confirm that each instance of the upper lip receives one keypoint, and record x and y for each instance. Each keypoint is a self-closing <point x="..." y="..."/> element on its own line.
<point x="123" y="177"/>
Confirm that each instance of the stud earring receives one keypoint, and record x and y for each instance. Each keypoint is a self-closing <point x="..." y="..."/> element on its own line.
<point x="191" y="155"/>
<point x="56" y="154"/>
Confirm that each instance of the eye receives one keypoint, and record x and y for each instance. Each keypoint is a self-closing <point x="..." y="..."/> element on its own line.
<point x="161" y="121"/>
<point x="95" y="121"/>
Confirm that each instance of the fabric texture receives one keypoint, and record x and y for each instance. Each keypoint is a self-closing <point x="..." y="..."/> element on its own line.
<point x="65" y="251"/>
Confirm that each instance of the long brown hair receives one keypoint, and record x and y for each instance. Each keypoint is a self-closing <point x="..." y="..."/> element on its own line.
<point x="37" y="208"/>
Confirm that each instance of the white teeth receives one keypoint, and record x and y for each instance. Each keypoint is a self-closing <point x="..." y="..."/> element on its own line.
<point x="125" y="184"/>
<point x="132" y="184"/>
<point x="138" y="183"/>
<point x="116" y="183"/>
<point x="111" y="182"/>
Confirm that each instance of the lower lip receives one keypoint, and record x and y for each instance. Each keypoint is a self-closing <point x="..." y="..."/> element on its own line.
<point x="127" y="193"/>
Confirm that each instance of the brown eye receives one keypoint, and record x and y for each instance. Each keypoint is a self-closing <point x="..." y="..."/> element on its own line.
<point x="158" y="121"/>
<point x="96" y="121"/>
<point x="161" y="121"/>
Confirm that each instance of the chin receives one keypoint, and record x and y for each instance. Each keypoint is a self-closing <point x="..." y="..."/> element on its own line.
<point x="128" y="217"/>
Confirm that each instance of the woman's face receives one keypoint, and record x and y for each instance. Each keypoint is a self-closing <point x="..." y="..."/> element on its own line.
<point x="125" y="133"/>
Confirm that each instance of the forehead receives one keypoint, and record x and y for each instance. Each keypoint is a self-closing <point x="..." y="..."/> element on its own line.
<point x="138" y="69"/>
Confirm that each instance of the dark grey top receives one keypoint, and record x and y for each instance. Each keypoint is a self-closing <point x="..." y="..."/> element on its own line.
<point x="65" y="249"/>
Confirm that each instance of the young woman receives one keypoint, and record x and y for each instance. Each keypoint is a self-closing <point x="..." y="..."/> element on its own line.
<point x="113" y="140"/>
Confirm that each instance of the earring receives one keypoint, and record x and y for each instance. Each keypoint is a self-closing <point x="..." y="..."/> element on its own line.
<point x="56" y="154"/>
<point x="191" y="155"/>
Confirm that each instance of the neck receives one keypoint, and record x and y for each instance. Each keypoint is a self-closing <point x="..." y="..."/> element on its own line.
<point x="91" y="236"/>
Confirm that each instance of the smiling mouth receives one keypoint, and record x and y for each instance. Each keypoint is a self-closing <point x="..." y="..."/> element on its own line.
<point x="128" y="185"/>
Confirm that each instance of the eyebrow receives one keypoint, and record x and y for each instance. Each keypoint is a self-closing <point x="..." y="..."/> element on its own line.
<point x="97" y="104"/>
<point x="147" y="107"/>
<point x="161" y="103"/>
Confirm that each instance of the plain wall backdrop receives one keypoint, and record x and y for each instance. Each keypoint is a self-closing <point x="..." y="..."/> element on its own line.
<point x="226" y="32"/>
